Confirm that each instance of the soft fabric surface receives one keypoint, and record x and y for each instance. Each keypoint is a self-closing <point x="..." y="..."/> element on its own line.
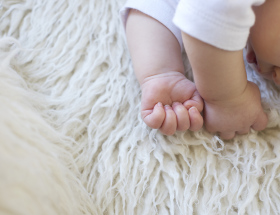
<point x="72" y="140"/>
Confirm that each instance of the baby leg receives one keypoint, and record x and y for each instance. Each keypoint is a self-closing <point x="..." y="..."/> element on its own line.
<point x="167" y="95"/>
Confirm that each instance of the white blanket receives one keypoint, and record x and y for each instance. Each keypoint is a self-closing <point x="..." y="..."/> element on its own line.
<point x="72" y="140"/>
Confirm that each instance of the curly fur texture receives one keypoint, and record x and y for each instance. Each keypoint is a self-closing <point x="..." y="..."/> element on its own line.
<point x="72" y="141"/>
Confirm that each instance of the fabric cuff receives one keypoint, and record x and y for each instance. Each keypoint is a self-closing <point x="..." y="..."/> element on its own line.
<point x="163" y="13"/>
<point x="209" y="29"/>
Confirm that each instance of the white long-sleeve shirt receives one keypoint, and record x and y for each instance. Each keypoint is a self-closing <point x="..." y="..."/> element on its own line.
<point x="224" y="24"/>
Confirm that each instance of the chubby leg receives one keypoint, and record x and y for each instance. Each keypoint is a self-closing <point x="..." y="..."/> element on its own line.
<point x="170" y="101"/>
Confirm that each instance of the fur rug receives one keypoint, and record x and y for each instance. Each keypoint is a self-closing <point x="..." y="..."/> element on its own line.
<point x="72" y="140"/>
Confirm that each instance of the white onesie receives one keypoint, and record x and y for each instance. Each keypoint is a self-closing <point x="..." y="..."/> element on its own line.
<point x="222" y="23"/>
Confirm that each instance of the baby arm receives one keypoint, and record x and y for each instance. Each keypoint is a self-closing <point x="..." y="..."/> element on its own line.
<point x="232" y="104"/>
<point x="169" y="100"/>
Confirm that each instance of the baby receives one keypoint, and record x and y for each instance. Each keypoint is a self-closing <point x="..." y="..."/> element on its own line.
<point x="213" y="34"/>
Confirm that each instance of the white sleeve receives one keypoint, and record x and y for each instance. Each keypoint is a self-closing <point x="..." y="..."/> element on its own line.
<point x="222" y="23"/>
<point x="161" y="10"/>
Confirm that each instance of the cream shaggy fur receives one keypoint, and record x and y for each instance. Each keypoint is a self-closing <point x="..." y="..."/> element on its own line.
<point x="72" y="140"/>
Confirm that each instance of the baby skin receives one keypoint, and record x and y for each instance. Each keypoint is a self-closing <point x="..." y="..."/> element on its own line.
<point x="171" y="102"/>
